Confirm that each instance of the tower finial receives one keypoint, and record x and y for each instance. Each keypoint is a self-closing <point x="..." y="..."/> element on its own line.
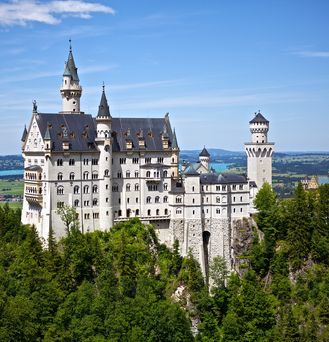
<point x="35" y="106"/>
<point x="70" y="41"/>
<point x="103" y="86"/>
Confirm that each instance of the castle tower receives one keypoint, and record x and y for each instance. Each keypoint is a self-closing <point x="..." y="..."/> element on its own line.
<point x="104" y="143"/>
<point x="259" y="152"/>
<point x="204" y="158"/>
<point x="174" y="157"/>
<point x="71" y="89"/>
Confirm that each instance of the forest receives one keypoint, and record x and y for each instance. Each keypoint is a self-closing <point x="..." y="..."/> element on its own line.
<point x="123" y="285"/>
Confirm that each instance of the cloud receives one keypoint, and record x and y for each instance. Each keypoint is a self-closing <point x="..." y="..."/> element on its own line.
<point x="318" y="54"/>
<point x="21" y="12"/>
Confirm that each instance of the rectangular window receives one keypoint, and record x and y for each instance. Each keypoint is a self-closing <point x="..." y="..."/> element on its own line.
<point x="135" y="160"/>
<point x="122" y="160"/>
<point x="94" y="161"/>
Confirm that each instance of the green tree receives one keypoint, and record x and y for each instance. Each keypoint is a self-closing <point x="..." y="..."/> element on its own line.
<point x="69" y="217"/>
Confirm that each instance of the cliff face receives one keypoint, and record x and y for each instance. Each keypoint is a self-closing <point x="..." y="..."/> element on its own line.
<point x="243" y="235"/>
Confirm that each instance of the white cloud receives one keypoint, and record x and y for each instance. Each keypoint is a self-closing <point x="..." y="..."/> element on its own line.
<point x="319" y="54"/>
<point x="21" y="12"/>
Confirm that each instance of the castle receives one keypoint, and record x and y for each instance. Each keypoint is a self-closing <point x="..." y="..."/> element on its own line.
<point x="112" y="169"/>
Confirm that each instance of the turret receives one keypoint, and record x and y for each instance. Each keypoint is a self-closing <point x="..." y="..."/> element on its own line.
<point x="259" y="127"/>
<point x="174" y="156"/>
<point x="259" y="152"/>
<point x="204" y="157"/>
<point x="71" y="89"/>
<point x="104" y="118"/>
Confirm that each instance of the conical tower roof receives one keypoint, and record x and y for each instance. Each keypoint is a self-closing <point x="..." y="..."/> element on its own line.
<point x="204" y="153"/>
<point x="103" y="108"/>
<point x="24" y="134"/>
<point x="70" y="68"/>
<point x="258" y="118"/>
<point x="174" y="143"/>
<point x="47" y="134"/>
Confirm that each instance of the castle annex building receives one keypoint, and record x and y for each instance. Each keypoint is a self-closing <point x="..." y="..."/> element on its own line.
<point x="111" y="169"/>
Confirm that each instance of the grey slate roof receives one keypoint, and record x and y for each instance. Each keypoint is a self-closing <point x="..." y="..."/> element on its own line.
<point x="70" y="68"/>
<point x="24" y="134"/>
<point x="174" y="141"/>
<point x="204" y="153"/>
<point x="103" y="108"/>
<point x="259" y="118"/>
<point x="149" y="129"/>
<point x="77" y="129"/>
<point x="223" y="178"/>
<point x="190" y="171"/>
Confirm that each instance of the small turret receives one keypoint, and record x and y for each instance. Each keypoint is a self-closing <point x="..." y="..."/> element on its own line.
<point x="259" y="127"/>
<point x="174" y="144"/>
<point x="71" y="89"/>
<point x="204" y="157"/>
<point x="103" y="119"/>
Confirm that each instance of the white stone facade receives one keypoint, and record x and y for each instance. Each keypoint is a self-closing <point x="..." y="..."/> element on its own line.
<point x="113" y="169"/>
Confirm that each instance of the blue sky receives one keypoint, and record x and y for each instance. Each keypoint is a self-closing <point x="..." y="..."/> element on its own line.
<point x="210" y="64"/>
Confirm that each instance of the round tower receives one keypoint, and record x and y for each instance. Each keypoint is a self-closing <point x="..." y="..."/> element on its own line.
<point x="104" y="143"/>
<point x="71" y="89"/>
<point x="259" y="152"/>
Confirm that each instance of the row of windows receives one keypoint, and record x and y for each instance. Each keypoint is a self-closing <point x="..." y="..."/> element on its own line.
<point x="150" y="187"/>
<point x="156" y="174"/>
<point x="135" y="160"/>
<point x="94" y="175"/>
<point x="33" y="176"/>
<point x="76" y="189"/>
<point x="86" y="203"/>
<point x="218" y="187"/>
<point x="94" y="161"/>
<point x="149" y="212"/>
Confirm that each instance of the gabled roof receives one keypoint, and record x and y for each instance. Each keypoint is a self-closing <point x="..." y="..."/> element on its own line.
<point x="78" y="130"/>
<point x="103" y="108"/>
<point x="150" y="130"/>
<point x="258" y="118"/>
<point x="204" y="153"/>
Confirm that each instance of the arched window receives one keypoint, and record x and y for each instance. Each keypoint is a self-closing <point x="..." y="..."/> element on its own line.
<point x="178" y="199"/>
<point x="165" y="199"/>
<point x="178" y="210"/>
<point x="76" y="203"/>
<point x="95" y="189"/>
<point x="165" y="186"/>
<point x="86" y="175"/>
<point x="60" y="176"/>
<point x="60" y="190"/>
<point x="166" y="211"/>
<point x="136" y="187"/>
<point x="157" y="199"/>
<point x="148" y="174"/>
<point x="72" y="176"/>
<point x="76" y="189"/>
<point x="86" y="189"/>
<point x="217" y="211"/>
<point x="128" y="174"/>
<point x="157" y="212"/>
<point x="128" y="187"/>
<point x="106" y="173"/>
<point x="165" y="174"/>
<point x="137" y="212"/>
<point x="217" y="199"/>
<point x="120" y="212"/>
<point x="95" y="202"/>
<point x="148" y="199"/>
<point x="149" y="212"/>
<point x="59" y="162"/>
<point x="94" y="175"/>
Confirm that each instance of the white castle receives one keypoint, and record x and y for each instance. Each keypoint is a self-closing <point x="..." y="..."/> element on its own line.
<point x="112" y="169"/>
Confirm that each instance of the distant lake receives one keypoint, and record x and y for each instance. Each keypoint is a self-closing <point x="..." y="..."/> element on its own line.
<point x="219" y="167"/>
<point x="18" y="172"/>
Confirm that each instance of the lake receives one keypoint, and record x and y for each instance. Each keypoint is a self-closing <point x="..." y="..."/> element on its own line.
<point x="18" y="172"/>
<point x="219" y="167"/>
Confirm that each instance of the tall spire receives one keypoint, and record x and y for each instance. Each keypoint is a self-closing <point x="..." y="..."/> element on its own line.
<point x="174" y="144"/>
<point x="103" y="108"/>
<point x="71" y="89"/>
